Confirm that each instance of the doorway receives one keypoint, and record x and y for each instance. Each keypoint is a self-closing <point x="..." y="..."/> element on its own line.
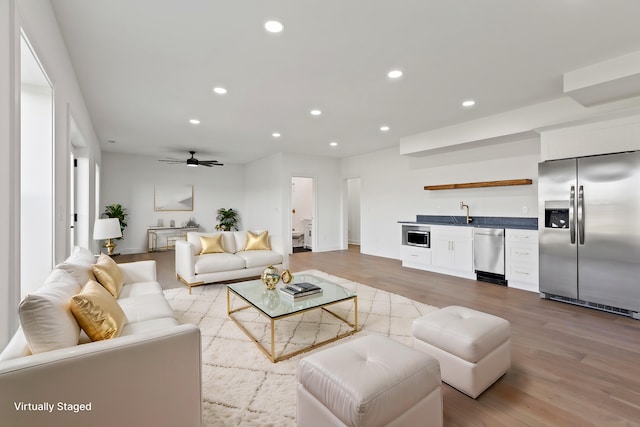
<point x="79" y="191"/>
<point x="36" y="171"/>
<point x="353" y="220"/>
<point x="302" y="218"/>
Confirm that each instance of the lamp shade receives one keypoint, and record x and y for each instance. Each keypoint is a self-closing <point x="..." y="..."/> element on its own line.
<point x="107" y="228"/>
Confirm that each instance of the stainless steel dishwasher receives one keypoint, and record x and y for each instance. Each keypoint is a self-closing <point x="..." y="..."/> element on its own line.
<point x="488" y="255"/>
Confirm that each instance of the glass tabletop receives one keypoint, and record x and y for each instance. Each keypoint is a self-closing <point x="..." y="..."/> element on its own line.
<point x="273" y="304"/>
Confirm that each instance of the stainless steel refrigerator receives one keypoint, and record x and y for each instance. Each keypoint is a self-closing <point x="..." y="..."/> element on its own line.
<point x="589" y="229"/>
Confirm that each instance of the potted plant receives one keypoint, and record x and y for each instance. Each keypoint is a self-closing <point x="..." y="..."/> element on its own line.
<point x="228" y="219"/>
<point x="117" y="211"/>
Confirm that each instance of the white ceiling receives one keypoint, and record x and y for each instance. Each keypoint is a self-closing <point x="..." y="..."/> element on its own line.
<point x="148" y="66"/>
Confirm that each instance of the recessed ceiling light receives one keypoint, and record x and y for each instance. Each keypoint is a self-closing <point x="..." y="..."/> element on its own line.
<point x="219" y="90"/>
<point x="394" y="74"/>
<point x="316" y="112"/>
<point x="194" y="121"/>
<point x="333" y="144"/>
<point x="384" y="128"/>
<point x="273" y="26"/>
<point x="276" y="135"/>
<point x="468" y="103"/>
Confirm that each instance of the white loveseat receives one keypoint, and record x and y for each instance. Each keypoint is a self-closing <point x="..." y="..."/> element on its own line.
<point x="194" y="268"/>
<point x="149" y="375"/>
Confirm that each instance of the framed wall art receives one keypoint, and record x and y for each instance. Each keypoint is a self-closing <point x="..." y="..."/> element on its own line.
<point x="171" y="197"/>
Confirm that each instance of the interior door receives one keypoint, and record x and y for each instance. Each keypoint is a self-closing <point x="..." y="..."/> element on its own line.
<point x="609" y="236"/>
<point x="557" y="231"/>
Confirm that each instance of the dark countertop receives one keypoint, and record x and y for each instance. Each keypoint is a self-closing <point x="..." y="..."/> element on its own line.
<point x="519" y="223"/>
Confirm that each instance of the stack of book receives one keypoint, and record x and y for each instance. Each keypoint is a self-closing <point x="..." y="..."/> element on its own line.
<point x="299" y="290"/>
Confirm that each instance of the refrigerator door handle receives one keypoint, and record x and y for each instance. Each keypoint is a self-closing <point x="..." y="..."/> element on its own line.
<point x="572" y="227"/>
<point x="581" y="215"/>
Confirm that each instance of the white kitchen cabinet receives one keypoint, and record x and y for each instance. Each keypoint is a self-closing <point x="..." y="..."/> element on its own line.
<point x="452" y="248"/>
<point x="415" y="257"/>
<point x="521" y="259"/>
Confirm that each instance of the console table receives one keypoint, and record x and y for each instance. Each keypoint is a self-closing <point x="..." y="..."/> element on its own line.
<point x="172" y="233"/>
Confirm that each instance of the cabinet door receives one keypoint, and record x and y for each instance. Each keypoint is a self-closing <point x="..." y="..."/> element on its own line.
<point x="441" y="252"/>
<point x="462" y="254"/>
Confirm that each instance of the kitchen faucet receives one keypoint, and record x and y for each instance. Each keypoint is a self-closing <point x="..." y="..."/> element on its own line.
<point x="462" y="205"/>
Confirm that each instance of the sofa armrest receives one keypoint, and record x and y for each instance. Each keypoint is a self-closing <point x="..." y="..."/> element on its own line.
<point x="144" y="379"/>
<point x="277" y="244"/>
<point x="138" y="271"/>
<point x="185" y="261"/>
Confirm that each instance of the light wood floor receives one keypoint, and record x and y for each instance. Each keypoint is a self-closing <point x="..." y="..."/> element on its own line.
<point x="571" y="366"/>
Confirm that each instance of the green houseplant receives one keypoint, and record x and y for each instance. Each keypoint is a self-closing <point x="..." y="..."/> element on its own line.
<point x="117" y="211"/>
<point x="227" y="219"/>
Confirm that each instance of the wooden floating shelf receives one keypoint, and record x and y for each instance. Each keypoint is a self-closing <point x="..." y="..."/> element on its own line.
<point x="481" y="184"/>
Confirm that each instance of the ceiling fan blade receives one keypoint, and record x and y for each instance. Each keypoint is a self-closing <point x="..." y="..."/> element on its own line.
<point x="171" y="161"/>
<point x="210" y="163"/>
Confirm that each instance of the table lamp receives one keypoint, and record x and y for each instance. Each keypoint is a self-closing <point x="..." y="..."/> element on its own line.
<point x="107" y="229"/>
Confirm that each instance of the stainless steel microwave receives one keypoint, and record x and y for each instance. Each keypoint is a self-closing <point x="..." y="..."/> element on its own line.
<point x="419" y="238"/>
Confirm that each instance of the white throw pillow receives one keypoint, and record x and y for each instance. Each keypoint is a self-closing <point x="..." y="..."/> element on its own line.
<point x="78" y="264"/>
<point x="46" y="318"/>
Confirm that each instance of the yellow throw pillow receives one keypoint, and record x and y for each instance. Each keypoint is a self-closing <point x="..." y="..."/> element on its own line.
<point x="98" y="312"/>
<point x="108" y="274"/>
<point x="257" y="242"/>
<point x="211" y="244"/>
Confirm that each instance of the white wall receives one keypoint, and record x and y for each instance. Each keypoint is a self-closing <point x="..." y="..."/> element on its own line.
<point x="37" y="19"/>
<point x="268" y="196"/>
<point x="264" y="194"/>
<point x="36" y="205"/>
<point x="9" y="172"/>
<point x="353" y="211"/>
<point x="130" y="180"/>
<point x="327" y="217"/>
<point x="392" y="187"/>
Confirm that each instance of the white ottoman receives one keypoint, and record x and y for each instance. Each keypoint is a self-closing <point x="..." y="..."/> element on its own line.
<point x="370" y="381"/>
<point x="473" y="348"/>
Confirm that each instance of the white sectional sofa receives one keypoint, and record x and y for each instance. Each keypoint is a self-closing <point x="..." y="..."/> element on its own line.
<point x="194" y="268"/>
<point x="148" y="375"/>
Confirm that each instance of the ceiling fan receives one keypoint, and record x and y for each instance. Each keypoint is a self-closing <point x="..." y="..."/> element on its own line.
<point x="193" y="162"/>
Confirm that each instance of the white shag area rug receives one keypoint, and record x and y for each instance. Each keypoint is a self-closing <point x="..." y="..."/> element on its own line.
<point x="240" y="386"/>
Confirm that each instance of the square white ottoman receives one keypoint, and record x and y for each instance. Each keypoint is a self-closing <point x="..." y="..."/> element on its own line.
<point x="473" y="348"/>
<point x="370" y="381"/>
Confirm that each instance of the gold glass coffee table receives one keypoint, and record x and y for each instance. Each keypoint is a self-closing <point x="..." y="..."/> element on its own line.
<point x="274" y="306"/>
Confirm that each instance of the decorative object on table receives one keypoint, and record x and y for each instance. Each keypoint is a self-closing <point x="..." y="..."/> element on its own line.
<point x="107" y="229"/>
<point x="228" y="219"/>
<point x="173" y="198"/>
<point x="192" y="223"/>
<point x="300" y="290"/>
<point x="117" y="211"/>
<point x="270" y="277"/>
<point x="172" y="223"/>
<point x="286" y="277"/>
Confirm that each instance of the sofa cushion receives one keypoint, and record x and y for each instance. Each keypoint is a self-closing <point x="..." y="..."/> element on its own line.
<point x="260" y="258"/>
<point x="213" y="263"/>
<point x="142" y="288"/>
<point x="211" y="244"/>
<point x="148" y="326"/>
<point x="145" y="307"/>
<point x="108" y="274"/>
<point x="78" y="264"/>
<point x="98" y="312"/>
<point x="45" y="315"/>
<point x="257" y="241"/>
